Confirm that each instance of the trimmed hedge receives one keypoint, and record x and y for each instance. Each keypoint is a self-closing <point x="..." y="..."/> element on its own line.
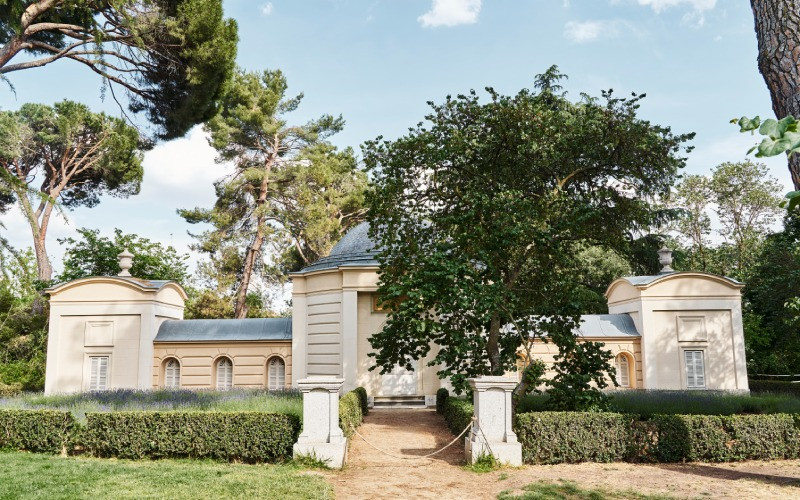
<point x="441" y="398"/>
<point x="774" y="386"/>
<point x="243" y="436"/>
<point x="352" y="408"/>
<point x="44" y="431"/>
<point x="558" y="437"/>
<point x="457" y="414"/>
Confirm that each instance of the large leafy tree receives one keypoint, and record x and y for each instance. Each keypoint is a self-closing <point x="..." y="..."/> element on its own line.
<point x="65" y="155"/>
<point x="92" y="254"/>
<point x="479" y="214"/>
<point x="289" y="187"/>
<point x="693" y="196"/>
<point x="171" y="57"/>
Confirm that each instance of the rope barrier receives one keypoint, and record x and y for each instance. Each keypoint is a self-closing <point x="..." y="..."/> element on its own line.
<point x="451" y="443"/>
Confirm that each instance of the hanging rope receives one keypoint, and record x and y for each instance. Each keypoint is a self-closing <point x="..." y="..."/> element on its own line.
<point x="451" y="443"/>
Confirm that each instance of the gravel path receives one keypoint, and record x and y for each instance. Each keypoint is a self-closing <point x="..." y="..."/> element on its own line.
<point x="413" y="433"/>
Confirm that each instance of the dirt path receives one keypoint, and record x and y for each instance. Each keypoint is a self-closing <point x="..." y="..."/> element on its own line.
<point x="413" y="433"/>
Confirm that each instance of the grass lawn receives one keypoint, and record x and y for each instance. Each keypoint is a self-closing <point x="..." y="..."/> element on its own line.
<point x="28" y="475"/>
<point x="649" y="403"/>
<point x="79" y="404"/>
<point x="567" y="490"/>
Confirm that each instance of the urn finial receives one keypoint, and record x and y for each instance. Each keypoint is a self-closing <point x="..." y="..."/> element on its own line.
<point x="125" y="263"/>
<point x="665" y="259"/>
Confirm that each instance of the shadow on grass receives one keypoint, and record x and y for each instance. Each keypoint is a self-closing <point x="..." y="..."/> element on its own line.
<point x="730" y="474"/>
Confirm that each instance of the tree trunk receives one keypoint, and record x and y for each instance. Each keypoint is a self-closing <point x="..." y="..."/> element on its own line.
<point x="493" y="344"/>
<point x="254" y="250"/>
<point x="777" y="24"/>
<point x="39" y="233"/>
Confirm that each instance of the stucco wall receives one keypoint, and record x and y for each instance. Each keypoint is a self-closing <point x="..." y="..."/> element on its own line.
<point x="632" y="347"/>
<point x="198" y="360"/>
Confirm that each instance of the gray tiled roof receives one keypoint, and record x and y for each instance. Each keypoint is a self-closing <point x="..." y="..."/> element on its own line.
<point x="646" y="280"/>
<point x="607" y="325"/>
<point x="354" y="249"/>
<point x="146" y="284"/>
<point x="213" y="330"/>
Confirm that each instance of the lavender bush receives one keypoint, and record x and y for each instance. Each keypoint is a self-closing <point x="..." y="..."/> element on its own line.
<point x="288" y="401"/>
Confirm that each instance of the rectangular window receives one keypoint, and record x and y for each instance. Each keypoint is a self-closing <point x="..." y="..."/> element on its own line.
<point x="695" y="370"/>
<point x="98" y="373"/>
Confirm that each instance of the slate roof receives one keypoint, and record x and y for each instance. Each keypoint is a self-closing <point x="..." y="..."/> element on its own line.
<point x="355" y="249"/>
<point x="607" y="325"/>
<point x="142" y="283"/>
<point x="225" y="330"/>
<point x="646" y="280"/>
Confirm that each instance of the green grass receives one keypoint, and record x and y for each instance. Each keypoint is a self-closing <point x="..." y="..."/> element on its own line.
<point x="161" y="400"/>
<point x="649" y="403"/>
<point x="26" y="475"/>
<point x="568" y="490"/>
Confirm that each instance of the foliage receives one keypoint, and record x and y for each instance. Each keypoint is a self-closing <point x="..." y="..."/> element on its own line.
<point x="290" y="188"/>
<point x="479" y="214"/>
<point x="237" y="400"/>
<point x="172" y="57"/>
<point x="597" y="268"/>
<point x="772" y="330"/>
<point x="486" y="462"/>
<point x="441" y="399"/>
<point x="693" y="195"/>
<point x="95" y="255"/>
<point x="363" y="399"/>
<point x="352" y="411"/>
<point x="45" y="431"/>
<point x="72" y="155"/>
<point x="30" y="475"/>
<point x="646" y="404"/>
<point x="558" y="437"/>
<point x="761" y="387"/>
<point x="23" y="328"/>
<point x="249" y="437"/>
<point x="457" y="414"/>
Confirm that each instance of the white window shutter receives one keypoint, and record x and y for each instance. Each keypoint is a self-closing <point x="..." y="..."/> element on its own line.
<point x="623" y="371"/>
<point x="276" y="374"/>
<point x="172" y="374"/>
<point x="224" y="374"/>
<point x="98" y="373"/>
<point x="695" y="369"/>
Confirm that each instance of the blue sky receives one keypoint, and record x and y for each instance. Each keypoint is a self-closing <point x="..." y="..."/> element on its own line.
<point x="378" y="62"/>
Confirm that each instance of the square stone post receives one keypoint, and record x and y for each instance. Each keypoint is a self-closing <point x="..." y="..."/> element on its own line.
<point x="321" y="436"/>
<point x="492" y="433"/>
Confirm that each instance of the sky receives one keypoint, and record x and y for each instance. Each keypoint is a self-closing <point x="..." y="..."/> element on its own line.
<point x="378" y="62"/>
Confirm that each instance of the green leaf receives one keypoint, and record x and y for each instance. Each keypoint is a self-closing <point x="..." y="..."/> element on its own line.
<point x="793" y="198"/>
<point x="771" y="147"/>
<point x="746" y="124"/>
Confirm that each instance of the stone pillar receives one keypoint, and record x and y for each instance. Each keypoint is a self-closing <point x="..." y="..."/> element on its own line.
<point x="321" y="437"/>
<point x="492" y="433"/>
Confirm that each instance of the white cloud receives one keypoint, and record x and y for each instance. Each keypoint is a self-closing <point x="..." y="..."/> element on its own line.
<point x="266" y="9"/>
<point x="590" y="31"/>
<point x="696" y="14"/>
<point x="451" y="13"/>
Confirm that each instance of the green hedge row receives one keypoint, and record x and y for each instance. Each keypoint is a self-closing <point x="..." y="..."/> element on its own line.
<point x="457" y="413"/>
<point x="243" y="436"/>
<point x="353" y="406"/>
<point x="556" y="437"/>
<point x="45" y="431"/>
<point x="774" y="386"/>
<point x="441" y="398"/>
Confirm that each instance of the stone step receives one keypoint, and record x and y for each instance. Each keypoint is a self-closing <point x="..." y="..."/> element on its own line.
<point x="399" y="402"/>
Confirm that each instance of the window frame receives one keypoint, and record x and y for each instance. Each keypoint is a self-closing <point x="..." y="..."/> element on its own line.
<point x="685" y="371"/>
<point x="623" y="356"/>
<point x="281" y="378"/>
<point x="217" y="363"/>
<point x="165" y="372"/>
<point x="90" y="379"/>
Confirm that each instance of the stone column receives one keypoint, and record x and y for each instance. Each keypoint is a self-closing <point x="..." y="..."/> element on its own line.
<point x="492" y="433"/>
<point x="321" y="436"/>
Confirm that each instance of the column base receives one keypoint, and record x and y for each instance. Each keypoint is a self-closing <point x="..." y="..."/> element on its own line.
<point x="504" y="453"/>
<point x="333" y="454"/>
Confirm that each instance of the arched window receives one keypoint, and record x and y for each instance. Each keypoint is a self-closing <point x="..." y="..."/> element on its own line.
<point x="623" y="370"/>
<point x="172" y="374"/>
<point x="224" y="374"/>
<point x="276" y="374"/>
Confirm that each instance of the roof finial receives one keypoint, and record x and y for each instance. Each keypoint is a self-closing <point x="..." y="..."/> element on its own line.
<point x="125" y="263"/>
<point x="665" y="259"/>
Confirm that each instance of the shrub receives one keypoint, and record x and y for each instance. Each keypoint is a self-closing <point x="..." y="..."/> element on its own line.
<point x="762" y="437"/>
<point x="557" y="437"/>
<point x="363" y="398"/>
<point x="8" y="390"/>
<point x="350" y="415"/>
<point x="690" y="438"/>
<point x="441" y="397"/>
<point x="774" y="386"/>
<point x="44" y="431"/>
<point x="244" y="436"/>
<point x="457" y="414"/>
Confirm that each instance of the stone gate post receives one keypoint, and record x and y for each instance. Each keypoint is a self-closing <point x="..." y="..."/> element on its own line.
<point x="492" y="433"/>
<point x="321" y="436"/>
